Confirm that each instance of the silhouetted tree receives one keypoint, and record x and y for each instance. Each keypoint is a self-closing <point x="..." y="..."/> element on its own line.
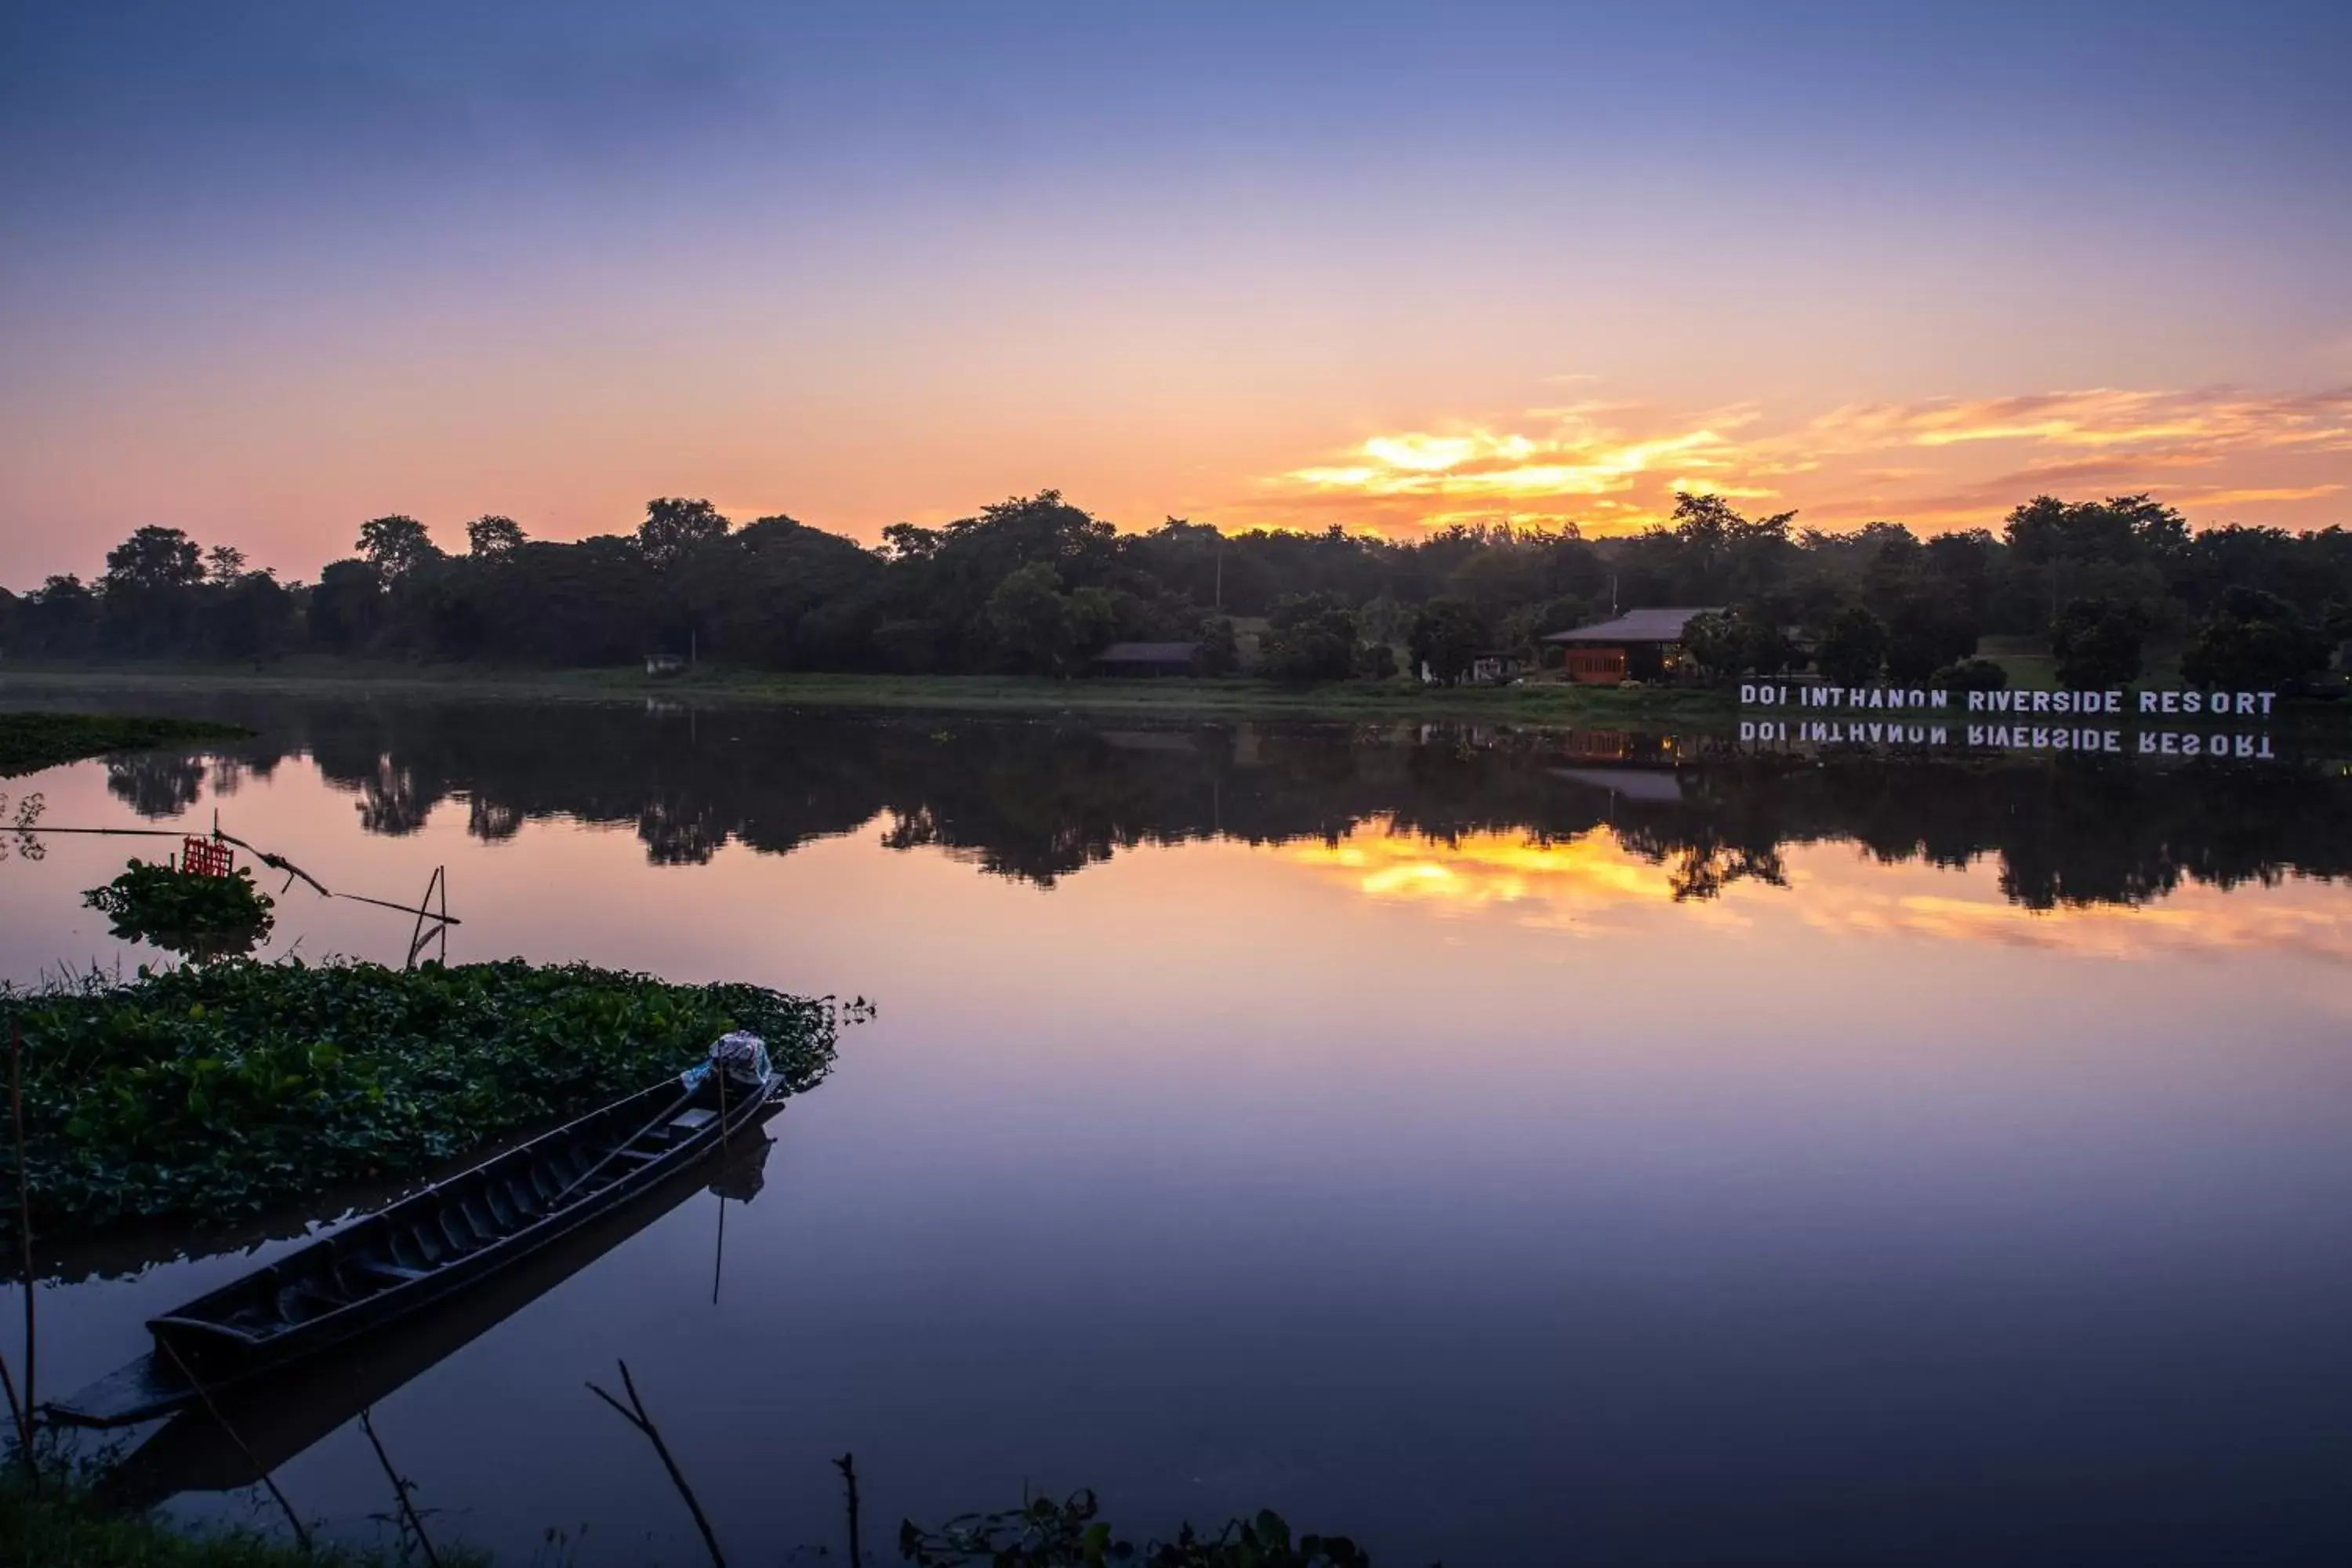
<point x="2097" y="645"/>
<point x="1853" y="647"/>
<point x="1447" y="636"/>
<point x="152" y="560"/>
<point x="2256" y="642"/>
<point x="675" y="527"/>
<point x="395" y="545"/>
<point x="1309" y="637"/>
<point x="347" y="607"/>
<point x="491" y="534"/>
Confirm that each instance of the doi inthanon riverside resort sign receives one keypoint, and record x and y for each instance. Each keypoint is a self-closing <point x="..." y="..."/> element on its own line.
<point x="2153" y="704"/>
<point x="2004" y="721"/>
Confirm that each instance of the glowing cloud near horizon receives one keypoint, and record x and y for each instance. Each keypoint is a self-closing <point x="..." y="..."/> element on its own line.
<point x="1616" y="467"/>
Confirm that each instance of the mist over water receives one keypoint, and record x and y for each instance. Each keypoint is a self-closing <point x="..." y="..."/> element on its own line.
<point x="1499" y="1146"/>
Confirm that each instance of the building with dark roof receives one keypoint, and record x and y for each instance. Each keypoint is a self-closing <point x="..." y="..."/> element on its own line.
<point x="1639" y="645"/>
<point x="1148" y="658"/>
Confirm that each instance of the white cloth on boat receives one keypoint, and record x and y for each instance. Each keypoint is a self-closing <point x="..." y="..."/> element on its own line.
<point x="743" y="1056"/>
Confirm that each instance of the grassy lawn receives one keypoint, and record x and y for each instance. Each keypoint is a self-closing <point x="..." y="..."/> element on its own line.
<point x="1555" y="704"/>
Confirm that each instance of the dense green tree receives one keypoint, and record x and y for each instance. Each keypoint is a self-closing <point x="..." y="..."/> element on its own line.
<point x="1309" y="637"/>
<point x="1727" y="645"/>
<point x="2256" y="642"/>
<point x="2098" y="644"/>
<point x="60" y="617"/>
<point x="1929" y="628"/>
<point x="252" y="617"/>
<point x="1031" y="614"/>
<point x="1853" y="647"/>
<point x="347" y="607"/>
<point x="1220" y="649"/>
<point x="395" y="545"/>
<point x="490" y="535"/>
<point x="147" y="603"/>
<point x="1970" y="675"/>
<point x="674" y="527"/>
<point x="153" y="560"/>
<point x="1447" y="635"/>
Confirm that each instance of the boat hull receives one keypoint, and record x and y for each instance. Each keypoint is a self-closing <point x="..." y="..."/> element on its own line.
<point x="227" y="1339"/>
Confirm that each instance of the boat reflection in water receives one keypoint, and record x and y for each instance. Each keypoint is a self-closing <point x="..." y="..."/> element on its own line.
<point x="270" y="1421"/>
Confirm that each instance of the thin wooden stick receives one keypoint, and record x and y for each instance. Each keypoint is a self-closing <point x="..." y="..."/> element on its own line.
<point x="719" y="1256"/>
<point x="388" y="904"/>
<point x="21" y="1413"/>
<point x="23" y="1229"/>
<point x="400" y="1488"/>
<point x="847" y="1465"/>
<point x="275" y="862"/>
<point x="16" y="1418"/>
<point x="423" y="912"/>
<point x="302" y="1536"/>
<point x="643" y="1421"/>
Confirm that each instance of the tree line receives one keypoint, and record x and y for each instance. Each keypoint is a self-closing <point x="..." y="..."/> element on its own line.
<point x="1037" y="585"/>
<point x="1040" y="803"/>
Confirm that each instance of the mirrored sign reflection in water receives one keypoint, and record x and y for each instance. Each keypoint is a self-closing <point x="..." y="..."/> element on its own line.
<point x="1502" y="1147"/>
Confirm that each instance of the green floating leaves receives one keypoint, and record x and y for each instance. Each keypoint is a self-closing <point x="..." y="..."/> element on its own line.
<point x="210" y="1091"/>
<point x="200" y="918"/>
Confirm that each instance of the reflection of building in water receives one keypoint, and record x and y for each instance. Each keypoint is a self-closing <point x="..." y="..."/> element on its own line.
<point x="1632" y="784"/>
<point x="1600" y="745"/>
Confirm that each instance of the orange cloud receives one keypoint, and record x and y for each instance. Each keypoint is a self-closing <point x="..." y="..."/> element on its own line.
<point x="1615" y="468"/>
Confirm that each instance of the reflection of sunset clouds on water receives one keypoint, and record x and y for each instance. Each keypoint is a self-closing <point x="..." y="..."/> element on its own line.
<point x="1589" y="882"/>
<point x="1594" y="885"/>
<point x="2308" y="917"/>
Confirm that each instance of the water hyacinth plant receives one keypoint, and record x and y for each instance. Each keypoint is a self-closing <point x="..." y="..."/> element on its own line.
<point x="201" y="918"/>
<point x="213" y="1091"/>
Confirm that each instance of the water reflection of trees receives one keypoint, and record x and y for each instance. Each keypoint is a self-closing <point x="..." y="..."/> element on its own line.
<point x="162" y="785"/>
<point x="1040" y="801"/>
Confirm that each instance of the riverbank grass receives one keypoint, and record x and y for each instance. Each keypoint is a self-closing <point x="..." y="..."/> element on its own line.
<point x="60" y="1527"/>
<point x="31" y="741"/>
<point x="1536" y="702"/>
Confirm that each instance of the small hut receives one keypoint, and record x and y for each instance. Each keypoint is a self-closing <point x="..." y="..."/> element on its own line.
<point x="1148" y="658"/>
<point x="1640" y="645"/>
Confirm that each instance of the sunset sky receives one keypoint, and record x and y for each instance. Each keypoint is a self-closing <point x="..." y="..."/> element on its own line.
<point x="270" y="271"/>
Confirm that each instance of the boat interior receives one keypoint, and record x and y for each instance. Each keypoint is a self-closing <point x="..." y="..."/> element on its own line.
<point x="439" y="1227"/>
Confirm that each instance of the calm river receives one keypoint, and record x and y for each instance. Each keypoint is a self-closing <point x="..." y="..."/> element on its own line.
<point x="1511" y="1148"/>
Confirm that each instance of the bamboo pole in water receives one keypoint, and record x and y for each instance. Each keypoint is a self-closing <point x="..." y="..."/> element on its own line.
<point x="24" y="1233"/>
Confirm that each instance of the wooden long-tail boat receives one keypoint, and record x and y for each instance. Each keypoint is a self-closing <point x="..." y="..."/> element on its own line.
<point x="276" y="1419"/>
<point x="440" y="1239"/>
